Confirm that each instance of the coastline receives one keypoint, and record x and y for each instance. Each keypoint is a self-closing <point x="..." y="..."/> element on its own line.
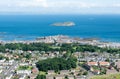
<point x="33" y="38"/>
<point x="67" y="39"/>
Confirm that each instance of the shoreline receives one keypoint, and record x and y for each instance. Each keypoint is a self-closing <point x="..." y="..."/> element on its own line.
<point x="67" y="39"/>
<point x="33" y="38"/>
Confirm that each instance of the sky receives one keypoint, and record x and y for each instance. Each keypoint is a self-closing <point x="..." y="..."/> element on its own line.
<point x="59" y="6"/>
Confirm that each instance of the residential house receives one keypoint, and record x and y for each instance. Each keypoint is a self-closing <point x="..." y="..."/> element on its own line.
<point x="49" y="77"/>
<point x="64" y="72"/>
<point x="51" y="72"/>
<point x="59" y="77"/>
<point x="96" y="72"/>
<point x="70" y="77"/>
<point x="118" y="65"/>
<point x="3" y="60"/>
<point x="80" y="77"/>
<point x="22" y="76"/>
<point x="104" y="63"/>
<point x="1" y="70"/>
<point x="33" y="76"/>
<point x="28" y="72"/>
<point x="24" y="64"/>
<point x="76" y="73"/>
<point x="35" y="71"/>
<point x="92" y="63"/>
<point x="9" y="76"/>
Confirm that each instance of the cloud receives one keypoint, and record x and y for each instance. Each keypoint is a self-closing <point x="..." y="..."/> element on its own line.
<point x="33" y="3"/>
<point x="28" y="3"/>
<point x="74" y="4"/>
<point x="50" y="3"/>
<point x="56" y="4"/>
<point x="59" y="6"/>
<point x="116" y="5"/>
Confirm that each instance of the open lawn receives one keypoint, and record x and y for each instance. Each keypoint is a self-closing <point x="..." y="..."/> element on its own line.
<point x="25" y="67"/>
<point x="42" y="73"/>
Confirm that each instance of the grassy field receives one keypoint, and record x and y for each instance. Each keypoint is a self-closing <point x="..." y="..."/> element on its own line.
<point x="111" y="76"/>
<point x="25" y="67"/>
<point x="42" y="73"/>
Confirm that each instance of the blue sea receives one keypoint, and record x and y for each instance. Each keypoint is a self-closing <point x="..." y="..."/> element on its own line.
<point x="28" y="27"/>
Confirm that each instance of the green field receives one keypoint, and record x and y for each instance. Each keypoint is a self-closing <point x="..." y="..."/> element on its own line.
<point x="25" y="67"/>
<point x="111" y="76"/>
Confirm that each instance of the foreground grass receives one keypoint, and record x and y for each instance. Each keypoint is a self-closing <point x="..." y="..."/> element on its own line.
<point x="110" y="76"/>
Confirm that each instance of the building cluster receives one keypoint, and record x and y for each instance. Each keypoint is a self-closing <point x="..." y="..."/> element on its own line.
<point x="69" y="74"/>
<point x="94" y="63"/>
<point x="95" y="67"/>
<point x="99" y="63"/>
<point x="12" y="63"/>
<point x="12" y="69"/>
<point x="7" y="68"/>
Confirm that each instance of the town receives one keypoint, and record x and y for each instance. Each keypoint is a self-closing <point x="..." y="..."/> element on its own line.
<point x="58" y="57"/>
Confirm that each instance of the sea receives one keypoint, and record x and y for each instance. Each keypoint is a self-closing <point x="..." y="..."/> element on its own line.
<point x="29" y="27"/>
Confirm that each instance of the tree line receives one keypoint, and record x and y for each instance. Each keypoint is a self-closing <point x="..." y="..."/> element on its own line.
<point x="52" y="47"/>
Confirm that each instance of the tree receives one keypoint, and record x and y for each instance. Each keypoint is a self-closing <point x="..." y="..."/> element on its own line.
<point x="56" y="64"/>
<point x="40" y="77"/>
<point x="107" y="60"/>
<point x="85" y="73"/>
<point x="28" y="56"/>
<point x="66" y="77"/>
<point x="1" y="57"/>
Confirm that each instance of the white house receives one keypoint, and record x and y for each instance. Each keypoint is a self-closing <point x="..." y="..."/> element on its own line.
<point x="3" y="60"/>
<point x="9" y="76"/>
<point x="1" y="70"/>
<point x="22" y="76"/>
<point x="28" y="72"/>
<point x="24" y="64"/>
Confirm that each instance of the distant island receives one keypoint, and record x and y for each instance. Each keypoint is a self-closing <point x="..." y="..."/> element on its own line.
<point x="68" y="24"/>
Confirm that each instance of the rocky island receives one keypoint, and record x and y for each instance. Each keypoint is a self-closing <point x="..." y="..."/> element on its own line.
<point x="63" y="24"/>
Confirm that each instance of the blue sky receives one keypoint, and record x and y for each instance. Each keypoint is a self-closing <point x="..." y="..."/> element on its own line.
<point x="60" y="6"/>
